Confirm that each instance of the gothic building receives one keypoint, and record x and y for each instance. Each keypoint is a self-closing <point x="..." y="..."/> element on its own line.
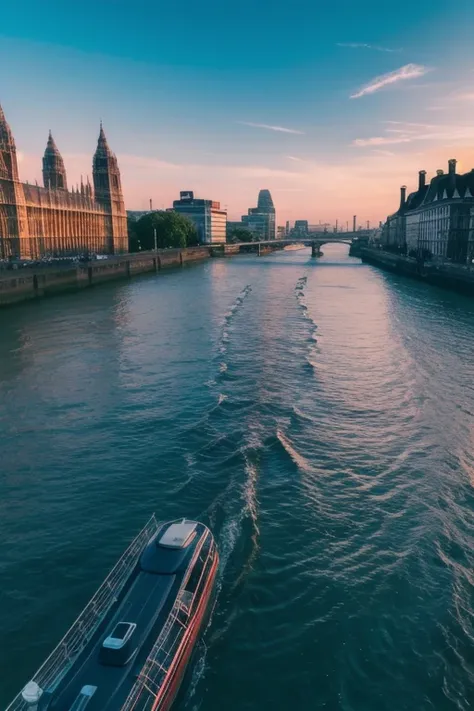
<point x="52" y="220"/>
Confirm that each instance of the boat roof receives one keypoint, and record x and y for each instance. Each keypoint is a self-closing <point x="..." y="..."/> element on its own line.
<point x="178" y="535"/>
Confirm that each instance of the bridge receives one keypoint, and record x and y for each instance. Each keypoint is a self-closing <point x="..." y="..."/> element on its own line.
<point x="315" y="240"/>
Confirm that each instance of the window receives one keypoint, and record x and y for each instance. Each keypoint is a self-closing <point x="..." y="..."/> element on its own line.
<point x="120" y="635"/>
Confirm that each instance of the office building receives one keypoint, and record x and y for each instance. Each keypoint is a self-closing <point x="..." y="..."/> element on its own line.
<point x="261" y="220"/>
<point x="301" y="227"/>
<point x="207" y="215"/>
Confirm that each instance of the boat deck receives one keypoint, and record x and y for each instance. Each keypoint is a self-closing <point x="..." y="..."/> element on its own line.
<point x="143" y="605"/>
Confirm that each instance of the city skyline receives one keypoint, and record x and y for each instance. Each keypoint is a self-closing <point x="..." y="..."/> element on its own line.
<point x="331" y="115"/>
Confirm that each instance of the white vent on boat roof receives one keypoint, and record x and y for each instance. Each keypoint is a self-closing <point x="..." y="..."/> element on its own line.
<point x="178" y="535"/>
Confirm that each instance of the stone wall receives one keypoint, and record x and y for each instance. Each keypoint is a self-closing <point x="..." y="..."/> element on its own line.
<point x="451" y="276"/>
<point x="31" y="283"/>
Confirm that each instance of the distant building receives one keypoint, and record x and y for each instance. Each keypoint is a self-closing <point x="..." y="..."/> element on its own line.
<point x="234" y="225"/>
<point x="207" y="215"/>
<point x="301" y="227"/>
<point x="281" y="232"/>
<point x="258" y="226"/>
<point x="437" y="220"/>
<point x="261" y="220"/>
<point x="287" y="228"/>
<point x="52" y="220"/>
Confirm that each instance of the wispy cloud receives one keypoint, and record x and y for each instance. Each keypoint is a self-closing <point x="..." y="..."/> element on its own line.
<point x="410" y="123"/>
<point x="380" y="152"/>
<point x="281" y="129"/>
<point x="452" y="133"/>
<point x="380" y="141"/>
<point x="296" y="159"/>
<point x="364" y="45"/>
<point x="409" y="71"/>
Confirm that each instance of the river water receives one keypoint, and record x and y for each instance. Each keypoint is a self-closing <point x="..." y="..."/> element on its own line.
<point x="319" y="415"/>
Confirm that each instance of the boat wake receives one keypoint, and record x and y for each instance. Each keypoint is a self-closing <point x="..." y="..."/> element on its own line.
<point x="228" y="318"/>
<point x="297" y="458"/>
<point x="311" y="338"/>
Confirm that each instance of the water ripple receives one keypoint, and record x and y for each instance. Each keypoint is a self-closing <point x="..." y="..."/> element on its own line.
<point x="318" y="414"/>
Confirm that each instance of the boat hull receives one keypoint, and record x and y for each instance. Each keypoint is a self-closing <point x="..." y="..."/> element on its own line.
<point x="196" y="627"/>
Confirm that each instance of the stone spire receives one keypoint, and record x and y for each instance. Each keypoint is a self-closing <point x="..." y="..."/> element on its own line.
<point x="105" y="171"/>
<point x="54" y="172"/>
<point x="6" y="138"/>
<point x="8" y="159"/>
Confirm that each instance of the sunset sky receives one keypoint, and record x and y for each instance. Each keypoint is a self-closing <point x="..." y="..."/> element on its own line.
<point x="331" y="106"/>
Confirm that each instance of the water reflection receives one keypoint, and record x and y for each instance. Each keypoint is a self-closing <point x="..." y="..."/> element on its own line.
<point x="318" y="413"/>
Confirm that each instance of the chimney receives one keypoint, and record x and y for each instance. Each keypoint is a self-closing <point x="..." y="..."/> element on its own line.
<point x="452" y="173"/>
<point x="439" y="172"/>
<point x="403" y="195"/>
<point x="421" y="179"/>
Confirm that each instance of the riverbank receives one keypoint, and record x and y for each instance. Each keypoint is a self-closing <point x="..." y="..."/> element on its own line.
<point x="33" y="283"/>
<point x="456" y="277"/>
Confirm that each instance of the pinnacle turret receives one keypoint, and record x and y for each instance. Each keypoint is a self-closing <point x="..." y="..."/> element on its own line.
<point x="54" y="172"/>
<point x="5" y="132"/>
<point x="102" y="144"/>
<point x="106" y="174"/>
<point x="8" y="160"/>
<point x="6" y="137"/>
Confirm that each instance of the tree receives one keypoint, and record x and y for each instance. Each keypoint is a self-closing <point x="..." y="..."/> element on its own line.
<point x="133" y="241"/>
<point x="172" y="230"/>
<point x="240" y="234"/>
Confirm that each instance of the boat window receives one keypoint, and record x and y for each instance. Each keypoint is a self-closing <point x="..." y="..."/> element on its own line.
<point x="195" y="576"/>
<point x="120" y="631"/>
<point x="120" y="635"/>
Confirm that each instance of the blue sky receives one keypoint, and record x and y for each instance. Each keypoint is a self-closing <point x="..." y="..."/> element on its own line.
<point x="195" y="96"/>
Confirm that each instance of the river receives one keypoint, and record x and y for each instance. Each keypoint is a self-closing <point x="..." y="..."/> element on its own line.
<point x="318" y="414"/>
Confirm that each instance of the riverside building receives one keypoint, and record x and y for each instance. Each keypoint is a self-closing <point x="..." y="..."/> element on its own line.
<point x="210" y="220"/>
<point x="52" y="220"/>
<point x="437" y="220"/>
<point x="261" y="220"/>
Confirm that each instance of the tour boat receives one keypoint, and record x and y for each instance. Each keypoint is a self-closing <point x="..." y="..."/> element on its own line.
<point x="130" y="646"/>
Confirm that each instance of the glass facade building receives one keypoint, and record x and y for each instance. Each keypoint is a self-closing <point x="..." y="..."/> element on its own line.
<point x="210" y="220"/>
<point x="261" y="220"/>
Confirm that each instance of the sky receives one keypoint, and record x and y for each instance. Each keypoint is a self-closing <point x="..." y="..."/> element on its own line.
<point x="332" y="106"/>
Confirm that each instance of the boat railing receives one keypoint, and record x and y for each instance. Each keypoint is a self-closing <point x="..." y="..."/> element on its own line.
<point x="82" y="630"/>
<point x="145" y="693"/>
